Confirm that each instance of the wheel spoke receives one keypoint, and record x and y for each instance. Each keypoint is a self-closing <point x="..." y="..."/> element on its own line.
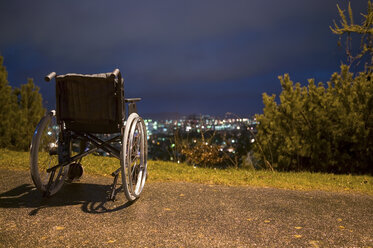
<point x="44" y="155"/>
<point x="135" y="163"/>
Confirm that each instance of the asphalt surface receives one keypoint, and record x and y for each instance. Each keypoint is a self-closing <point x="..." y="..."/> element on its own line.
<point x="180" y="215"/>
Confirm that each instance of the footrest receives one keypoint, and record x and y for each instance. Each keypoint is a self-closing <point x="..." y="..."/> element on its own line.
<point x="49" y="185"/>
<point x="113" y="188"/>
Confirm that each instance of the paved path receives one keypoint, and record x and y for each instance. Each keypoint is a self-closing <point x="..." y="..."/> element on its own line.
<point x="180" y="215"/>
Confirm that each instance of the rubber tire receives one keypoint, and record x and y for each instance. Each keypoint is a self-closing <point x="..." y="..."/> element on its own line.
<point x="131" y="124"/>
<point x="60" y="174"/>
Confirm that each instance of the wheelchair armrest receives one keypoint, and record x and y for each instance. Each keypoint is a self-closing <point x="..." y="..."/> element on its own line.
<point x="132" y="104"/>
<point x="131" y="100"/>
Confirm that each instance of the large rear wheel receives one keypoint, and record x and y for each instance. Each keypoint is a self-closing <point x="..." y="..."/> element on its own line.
<point x="44" y="155"/>
<point x="134" y="157"/>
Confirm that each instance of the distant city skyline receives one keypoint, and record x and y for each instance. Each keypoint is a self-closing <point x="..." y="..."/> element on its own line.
<point x="226" y="134"/>
<point x="185" y="57"/>
<point x="201" y="124"/>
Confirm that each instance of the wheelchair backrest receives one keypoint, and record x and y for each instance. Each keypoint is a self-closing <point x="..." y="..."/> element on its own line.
<point x="90" y="103"/>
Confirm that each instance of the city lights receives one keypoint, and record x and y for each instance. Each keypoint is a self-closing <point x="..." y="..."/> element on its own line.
<point x="229" y="133"/>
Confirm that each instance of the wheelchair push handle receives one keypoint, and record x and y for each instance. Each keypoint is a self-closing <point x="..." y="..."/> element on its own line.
<point x="50" y="76"/>
<point x="116" y="72"/>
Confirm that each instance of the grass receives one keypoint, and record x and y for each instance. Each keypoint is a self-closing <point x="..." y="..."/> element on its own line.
<point x="160" y="171"/>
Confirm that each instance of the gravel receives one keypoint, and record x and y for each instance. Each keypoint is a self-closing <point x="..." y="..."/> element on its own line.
<point x="177" y="214"/>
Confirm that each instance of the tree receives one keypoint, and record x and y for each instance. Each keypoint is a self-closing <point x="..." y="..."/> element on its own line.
<point x="20" y="111"/>
<point x="7" y="107"/>
<point x="30" y="111"/>
<point x="365" y="31"/>
<point x="326" y="128"/>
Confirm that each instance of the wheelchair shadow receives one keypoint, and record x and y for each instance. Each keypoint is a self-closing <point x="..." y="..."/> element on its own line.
<point x="93" y="198"/>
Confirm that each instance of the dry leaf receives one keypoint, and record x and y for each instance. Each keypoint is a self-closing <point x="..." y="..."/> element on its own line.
<point x="314" y="243"/>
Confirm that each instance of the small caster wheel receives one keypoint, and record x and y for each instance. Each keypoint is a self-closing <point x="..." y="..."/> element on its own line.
<point x="75" y="171"/>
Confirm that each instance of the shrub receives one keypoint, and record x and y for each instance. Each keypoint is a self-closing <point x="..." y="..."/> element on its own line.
<point x="320" y="128"/>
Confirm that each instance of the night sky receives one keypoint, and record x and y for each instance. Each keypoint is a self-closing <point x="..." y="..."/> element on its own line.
<point x="195" y="56"/>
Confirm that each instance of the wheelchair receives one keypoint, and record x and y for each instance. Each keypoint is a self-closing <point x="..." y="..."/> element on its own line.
<point x="91" y="115"/>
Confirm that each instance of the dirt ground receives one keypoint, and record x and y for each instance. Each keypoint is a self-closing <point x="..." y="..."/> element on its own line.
<point x="180" y="215"/>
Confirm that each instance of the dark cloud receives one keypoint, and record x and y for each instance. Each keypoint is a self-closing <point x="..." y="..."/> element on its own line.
<point x="173" y="52"/>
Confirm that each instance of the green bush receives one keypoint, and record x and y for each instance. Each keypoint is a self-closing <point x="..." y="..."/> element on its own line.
<point x="319" y="128"/>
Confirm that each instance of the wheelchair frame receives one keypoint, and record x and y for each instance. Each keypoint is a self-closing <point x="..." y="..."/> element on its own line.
<point x="57" y="148"/>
